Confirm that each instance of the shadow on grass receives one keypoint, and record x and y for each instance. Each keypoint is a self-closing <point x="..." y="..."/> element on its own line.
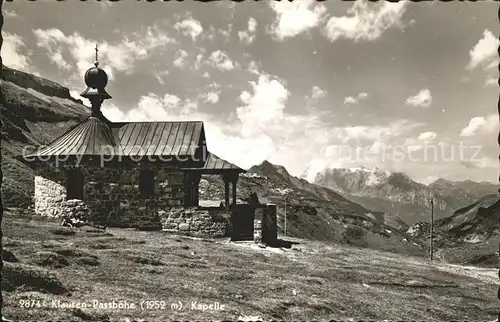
<point x="281" y="243"/>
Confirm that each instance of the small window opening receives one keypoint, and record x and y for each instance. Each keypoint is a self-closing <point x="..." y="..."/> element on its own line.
<point x="74" y="184"/>
<point x="147" y="183"/>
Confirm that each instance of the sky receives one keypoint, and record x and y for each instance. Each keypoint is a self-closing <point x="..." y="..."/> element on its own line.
<point x="405" y="86"/>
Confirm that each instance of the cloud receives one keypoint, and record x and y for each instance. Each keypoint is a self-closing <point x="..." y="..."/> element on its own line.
<point x="153" y="107"/>
<point x="491" y="81"/>
<point x="481" y="124"/>
<point x="365" y="21"/>
<point x="11" y="52"/>
<point x="427" y="136"/>
<point x="10" y="13"/>
<point x="189" y="27"/>
<point x="76" y="95"/>
<point x="220" y="60"/>
<point x="355" y="100"/>
<point x="482" y="163"/>
<point x="371" y="132"/>
<point x="294" y="18"/>
<point x="485" y="51"/>
<point x="350" y="100"/>
<point x="264" y="107"/>
<point x="254" y="67"/>
<point x="422" y="98"/>
<point x="120" y="56"/>
<point x="318" y="93"/>
<point x="160" y="76"/>
<point x="354" y="145"/>
<point x="227" y="141"/>
<point x="181" y="58"/>
<point x="212" y="33"/>
<point x="212" y="97"/>
<point x="248" y="36"/>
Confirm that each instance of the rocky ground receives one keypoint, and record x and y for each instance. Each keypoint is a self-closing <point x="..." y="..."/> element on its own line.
<point x="51" y="266"/>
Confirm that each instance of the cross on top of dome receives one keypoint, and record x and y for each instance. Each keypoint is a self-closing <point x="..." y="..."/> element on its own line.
<point x="96" y="60"/>
<point x="96" y="80"/>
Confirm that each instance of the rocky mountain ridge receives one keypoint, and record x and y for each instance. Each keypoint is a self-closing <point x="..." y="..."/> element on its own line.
<point x="402" y="199"/>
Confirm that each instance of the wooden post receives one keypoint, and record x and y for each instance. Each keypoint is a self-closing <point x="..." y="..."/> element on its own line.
<point x="285" y="215"/>
<point x="226" y="193"/>
<point x="196" y="192"/>
<point x="432" y="229"/>
<point x="234" y="184"/>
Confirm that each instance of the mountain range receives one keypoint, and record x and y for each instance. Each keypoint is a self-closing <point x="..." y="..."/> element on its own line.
<point x="403" y="200"/>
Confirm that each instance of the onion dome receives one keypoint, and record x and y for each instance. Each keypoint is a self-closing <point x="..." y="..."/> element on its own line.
<point x="95" y="77"/>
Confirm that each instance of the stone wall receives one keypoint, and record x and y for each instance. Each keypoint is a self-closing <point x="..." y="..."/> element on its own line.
<point x="112" y="194"/>
<point x="269" y="224"/>
<point x="50" y="194"/>
<point x="111" y="197"/>
<point x="265" y="224"/>
<point x="196" y="222"/>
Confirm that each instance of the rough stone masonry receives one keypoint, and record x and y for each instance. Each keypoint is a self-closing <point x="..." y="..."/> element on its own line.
<point x="111" y="198"/>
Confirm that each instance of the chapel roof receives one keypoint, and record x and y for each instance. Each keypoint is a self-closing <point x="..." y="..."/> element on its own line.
<point x="98" y="136"/>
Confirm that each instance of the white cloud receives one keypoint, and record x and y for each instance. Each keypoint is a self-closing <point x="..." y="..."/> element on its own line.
<point x="350" y="100"/>
<point x="254" y="67"/>
<point x="293" y="18"/>
<point x="365" y="21"/>
<point x="345" y="147"/>
<point x="10" y="13"/>
<point x="481" y="124"/>
<point x="219" y="59"/>
<point x="485" y="51"/>
<point x="189" y="27"/>
<point x="252" y="24"/>
<point x="422" y="98"/>
<point x="181" y="58"/>
<point x="491" y="81"/>
<point x="370" y="133"/>
<point x="212" y="97"/>
<point x="197" y="62"/>
<point x="119" y="56"/>
<point x="355" y="100"/>
<point x="226" y="33"/>
<point x="11" y="52"/>
<point x="160" y="76"/>
<point x="248" y="36"/>
<point x="153" y="107"/>
<point x="76" y="95"/>
<point x="482" y="163"/>
<point x="493" y="64"/>
<point x="318" y="93"/>
<point x="427" y="136"/>
<point x="264" y="107"/>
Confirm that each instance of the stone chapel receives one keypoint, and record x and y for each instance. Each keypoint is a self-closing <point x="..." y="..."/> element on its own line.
<point x="140" y="174"/>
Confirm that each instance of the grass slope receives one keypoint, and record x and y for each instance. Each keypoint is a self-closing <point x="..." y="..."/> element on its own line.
<point x="311" y="280"/>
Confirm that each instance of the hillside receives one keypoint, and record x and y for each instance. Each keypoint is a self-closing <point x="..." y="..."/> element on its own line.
<point x="313" y="211"/>
<point x="465" y="189"/>
<point x="35" y="111"/>
<point x="469" y="236"/>
<point x="403" y="200"/>
<point x="309" y="281"/>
